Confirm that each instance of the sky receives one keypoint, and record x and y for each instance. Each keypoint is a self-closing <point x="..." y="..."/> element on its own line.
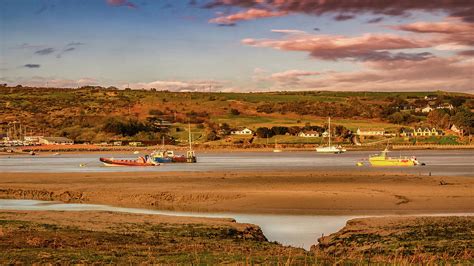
<point x="239" y="45"/>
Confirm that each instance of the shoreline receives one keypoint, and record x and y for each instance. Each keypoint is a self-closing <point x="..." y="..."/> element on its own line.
<point x="67" y="150"/>
<point x="80" y="149"/>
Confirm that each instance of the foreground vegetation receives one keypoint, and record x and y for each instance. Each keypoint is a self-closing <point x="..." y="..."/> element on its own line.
<point x="124" y="241"/>
<point x="123" y="238"/>
<point x="416" y="240"/>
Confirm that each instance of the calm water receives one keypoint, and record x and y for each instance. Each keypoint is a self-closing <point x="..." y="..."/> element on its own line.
<point x="295" y="230"/>
<point x="437" y="162"/>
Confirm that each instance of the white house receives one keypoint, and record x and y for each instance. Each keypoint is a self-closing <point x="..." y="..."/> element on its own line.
<point x="244" y="131"/>
<point x="427" y="109"/>
<point x="32" y="139"/>
<point x="426" y="132"/>
<point x="308" y="134"/>
<point x="445" y="106"/>
<point x="325" y="134"/>
<point x="458" y="130"/>
<point x="371" y="132"/>
<point x="55" y="141"/>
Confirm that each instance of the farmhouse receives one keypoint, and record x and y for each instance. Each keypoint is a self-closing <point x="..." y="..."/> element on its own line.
<point x="371" y="132"/>
<point x="244" y="131"/>
<point x="308" y="134"/>
<point x="55" y="141"/>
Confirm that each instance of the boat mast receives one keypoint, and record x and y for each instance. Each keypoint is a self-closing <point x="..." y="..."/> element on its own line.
<point x="189" y="137"/>
<point x="329" y="131"/>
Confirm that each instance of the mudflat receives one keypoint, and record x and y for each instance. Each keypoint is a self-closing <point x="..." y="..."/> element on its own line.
<point x="300" y="192"/>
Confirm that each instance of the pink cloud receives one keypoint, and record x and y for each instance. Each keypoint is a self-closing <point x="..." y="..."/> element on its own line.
<point x="249" y="14"/>
<point x="178" y="85"/>
<point x="462" y="8"/>
<point x="452" y="74"/>
<point x="293" y="75"/>
<point x="121" y="3"/>
<point x="448" y="31"/>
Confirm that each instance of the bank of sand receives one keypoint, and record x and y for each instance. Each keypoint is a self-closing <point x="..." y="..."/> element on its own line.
<point x="249" y="192"/>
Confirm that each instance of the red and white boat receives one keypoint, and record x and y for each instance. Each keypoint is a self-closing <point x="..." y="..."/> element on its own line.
<point x="141" y="161"/>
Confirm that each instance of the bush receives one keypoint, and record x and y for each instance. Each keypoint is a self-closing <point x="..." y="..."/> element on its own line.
<point x="155" y="112"/>
<point x="234" y="111"/>
<point x="264" y="132"/>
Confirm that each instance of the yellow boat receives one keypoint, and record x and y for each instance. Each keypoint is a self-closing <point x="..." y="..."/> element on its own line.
<point x="382" y="159"/>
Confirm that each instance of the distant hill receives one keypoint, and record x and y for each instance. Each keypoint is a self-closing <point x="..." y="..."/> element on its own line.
<point x="100" y="114"/>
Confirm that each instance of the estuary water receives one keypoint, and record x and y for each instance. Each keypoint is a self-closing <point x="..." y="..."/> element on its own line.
<point x="438" y="162"/>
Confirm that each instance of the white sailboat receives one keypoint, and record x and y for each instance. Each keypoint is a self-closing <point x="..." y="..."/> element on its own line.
<point x="277" y="148"/>
<point x="330" y="148"/>
<point x="190" y="155"/>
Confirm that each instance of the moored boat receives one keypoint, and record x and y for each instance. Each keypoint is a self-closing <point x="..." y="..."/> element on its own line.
<point x="383" y="159"/>
<point x="141" y="161"/>
<point x="330" y="148"/>
<point x="168" y="156"/>
<point x="277" y="148"/>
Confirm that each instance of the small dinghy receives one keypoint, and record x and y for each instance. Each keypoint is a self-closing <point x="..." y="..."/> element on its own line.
<point x="141" y="161"/>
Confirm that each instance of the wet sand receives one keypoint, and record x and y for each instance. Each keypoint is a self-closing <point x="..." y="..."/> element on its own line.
<point x="279" y="192"/>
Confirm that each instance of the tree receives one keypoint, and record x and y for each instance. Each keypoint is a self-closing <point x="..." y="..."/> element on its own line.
<point x="438" y="118"/>
<point x="279" y="130"/>
<point x="212" y="136"/>
<point x="294" y="130"/>
<point x="457" y="101"/>
<point x="224" y="128"/>
<point x="234" y="111"/>
<point x="463" y="118"/>
<point x="264" y="132"/>
<point x="402" y="118"/>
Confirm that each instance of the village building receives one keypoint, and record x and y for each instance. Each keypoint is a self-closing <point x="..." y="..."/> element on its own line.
<point x="371" y="132"/>
<point x="32" y="139"/>
<point x="445" y="106"/>
<point x="325" y="134"/>
<point x="427" y="109"/>
<point x="135" y="144"/>
<point x="117" y="143"/>
<point x="308" y="134"/>
<point x="55" y="141"/>
<point x="458" y="130"/>
<point x="244" y="131"/>
<point x="426" y="132"/>
<point x="407" y="133"/>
